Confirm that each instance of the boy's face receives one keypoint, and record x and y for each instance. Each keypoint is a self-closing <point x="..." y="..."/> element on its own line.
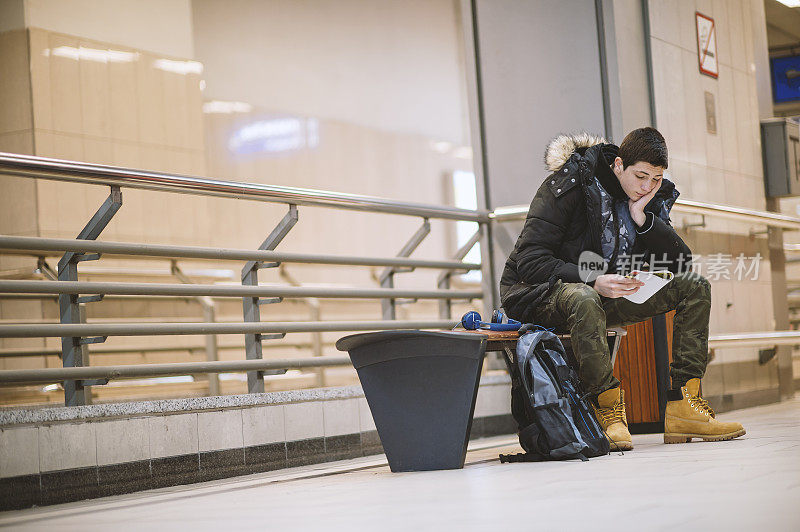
<point x="638" y="179"/>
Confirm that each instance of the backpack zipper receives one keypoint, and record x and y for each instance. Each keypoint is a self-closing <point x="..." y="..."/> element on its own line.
<point x="549" y="371"/>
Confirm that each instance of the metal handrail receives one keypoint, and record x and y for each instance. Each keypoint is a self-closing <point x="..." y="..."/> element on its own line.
<point x="148" y="370"/>
<point x="99" y="174"/>
<point x="76" y="334"/>
<point x="81" y="287"/>
<point x="49" y="375"/>
<point x="98" y="349"/>
<point x="37" y="244"/>
<point x="772" y="219"/>
<point x="754" y="339"/>
<point x="28" y="330"/>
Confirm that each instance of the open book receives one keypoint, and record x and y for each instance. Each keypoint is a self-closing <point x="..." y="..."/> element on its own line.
<point x="653" y="282"/>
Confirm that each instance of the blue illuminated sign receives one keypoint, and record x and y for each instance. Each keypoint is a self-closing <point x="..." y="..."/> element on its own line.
<point x="786" y="79"/>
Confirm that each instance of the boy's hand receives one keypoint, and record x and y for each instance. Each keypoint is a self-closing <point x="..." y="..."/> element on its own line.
<point x="636" y="207"/>
<point x="613" y="285"/>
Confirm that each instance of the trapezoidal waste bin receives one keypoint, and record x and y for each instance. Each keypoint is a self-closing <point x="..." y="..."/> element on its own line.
<point x="421" y="388"/>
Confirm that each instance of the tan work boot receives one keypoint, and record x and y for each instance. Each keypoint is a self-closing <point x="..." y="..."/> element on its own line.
<point x="691" y="417"/>
<point x="610" y="413"/>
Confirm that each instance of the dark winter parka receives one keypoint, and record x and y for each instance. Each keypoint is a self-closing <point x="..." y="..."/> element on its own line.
<point x="566" y="218"/>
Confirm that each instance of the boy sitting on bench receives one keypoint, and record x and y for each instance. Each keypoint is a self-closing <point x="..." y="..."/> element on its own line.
<point x="607" y="205"/>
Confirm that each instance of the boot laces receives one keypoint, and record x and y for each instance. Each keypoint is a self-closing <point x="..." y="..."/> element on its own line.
<point x="700" y="404"/>
<point x="703" y="405"/>
<point x="615" y="414"/>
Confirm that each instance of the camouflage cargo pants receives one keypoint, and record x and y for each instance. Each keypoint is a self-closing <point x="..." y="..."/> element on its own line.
<point x="579" y="309"/>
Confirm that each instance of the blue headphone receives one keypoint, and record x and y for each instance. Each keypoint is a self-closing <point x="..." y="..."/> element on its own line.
<point x="472" y="321"/>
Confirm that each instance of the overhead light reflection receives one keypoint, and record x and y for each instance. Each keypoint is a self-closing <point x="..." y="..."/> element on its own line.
<point x="179" y="67"/>
<point x="275" y="135"/>
<point x="92" y="54"/>
<point x="218" y="106"/>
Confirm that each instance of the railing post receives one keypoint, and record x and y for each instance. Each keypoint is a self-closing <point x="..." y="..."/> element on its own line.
<point x="443" y="282"/>
<point x="69" y="304"/>
<point x="209" y="316"/>
<point x="251" y="310"/>
<point x="386" y="278"/>
<point x="314" y="315"/>
<point x="488" y="284"/>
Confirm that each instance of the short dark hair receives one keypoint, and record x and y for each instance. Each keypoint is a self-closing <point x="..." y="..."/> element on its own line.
<point x="644" y="144"/>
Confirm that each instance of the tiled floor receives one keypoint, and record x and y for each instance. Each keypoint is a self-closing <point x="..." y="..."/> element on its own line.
<point x="752" y="483"/>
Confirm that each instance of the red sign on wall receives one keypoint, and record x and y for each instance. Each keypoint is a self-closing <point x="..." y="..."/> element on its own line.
<point x="707" y="45"/>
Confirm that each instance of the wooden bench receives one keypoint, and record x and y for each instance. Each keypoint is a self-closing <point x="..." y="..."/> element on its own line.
<point x="506" y="342"/>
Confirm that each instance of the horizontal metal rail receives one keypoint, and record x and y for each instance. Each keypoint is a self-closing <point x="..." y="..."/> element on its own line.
<point x="37" y="244"/>
<point x="26" y="330"/>
<point x="715" y="342"/>
<point x="52" y="375"/>
<point x="754" y="339"/>
<point x="12" y="352"/>
<point x="772" y="219"/>
<point x="98" y="174"/>
<point x="78" y="287"/>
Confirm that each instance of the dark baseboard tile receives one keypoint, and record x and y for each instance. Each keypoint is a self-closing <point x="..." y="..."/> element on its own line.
<point x="222" y="464"/>
<point x="269" y="457"/>
<point x="69" y="485"/>
<point x="175" y="470"/>
<point x="20" y="492"/>
<point x="343" y="447"/>
<point x="117" y="479"/>
<point x="498" y="425"/>
<point x="371" y="443"/>
<point x="305" y="452"/>
<point x="476" y="428"/>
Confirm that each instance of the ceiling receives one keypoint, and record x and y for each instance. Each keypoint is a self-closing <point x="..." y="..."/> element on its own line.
<point x="783" y="28"/>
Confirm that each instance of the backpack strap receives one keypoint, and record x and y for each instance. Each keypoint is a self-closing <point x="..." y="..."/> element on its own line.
<point x="522" y="457"/>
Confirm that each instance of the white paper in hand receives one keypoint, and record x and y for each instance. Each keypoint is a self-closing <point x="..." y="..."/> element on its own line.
<point x="653" y="282"/>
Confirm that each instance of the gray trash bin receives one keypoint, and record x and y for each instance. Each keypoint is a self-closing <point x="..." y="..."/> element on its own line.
<point x="421" y="388"/>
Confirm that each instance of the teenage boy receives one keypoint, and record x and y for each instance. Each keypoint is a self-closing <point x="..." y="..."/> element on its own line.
<point x="612" y="204"/>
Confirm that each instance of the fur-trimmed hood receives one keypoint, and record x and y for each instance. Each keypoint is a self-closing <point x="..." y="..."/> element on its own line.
<point x="560" y="149"/>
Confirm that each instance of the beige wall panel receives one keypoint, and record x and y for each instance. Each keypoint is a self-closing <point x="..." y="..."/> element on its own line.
<point x="150" y="102"/>
<point x="65" y="84"/>
<point x="98" y="150"/>
<point x="727" y="120"/>
<point x="162" y="26"/>
<point x="95" y="92"/>
<point x="40" y="79"/>
<point x="12" y="15"/>
<point x="15" y="89"/>
<point x="17" y="195"/>
<point x="123" y="100"/>
<point x="176" y="110"/>
<point x="126" y="154"/>
<point x="746" y="111"/>
<point x="754" y="130"/>
<point x="694" y="102"/>
<point x="194" y="116"/>
<point x="736" y="32"/>
<point x="719" y="12"/>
